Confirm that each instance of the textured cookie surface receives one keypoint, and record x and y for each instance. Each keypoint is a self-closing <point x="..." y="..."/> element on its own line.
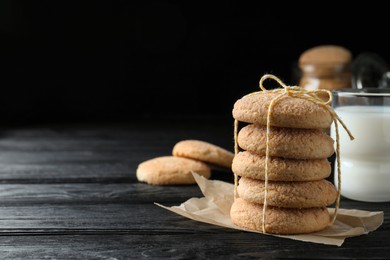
<point x="287" y="142"/>
<point x="287" y="112"/>
<point x="306" y="194"/>
<point x="280" y="169"/>
<point x="279" y="220"/>
<point x="203" y="151"/>
<point x="169" y="170"/>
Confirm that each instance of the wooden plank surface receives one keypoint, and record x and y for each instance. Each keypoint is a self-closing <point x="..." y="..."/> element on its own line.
<point x="68" y="172"/>
<point x="207" y="245"/>
<point x="97" y="153"/>
<point x="126" y="207"/>
<point x="71" y="192"/>
<point x="21" y="194"/>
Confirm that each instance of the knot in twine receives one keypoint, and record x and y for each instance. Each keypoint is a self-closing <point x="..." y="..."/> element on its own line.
<point x="296" y="92"/>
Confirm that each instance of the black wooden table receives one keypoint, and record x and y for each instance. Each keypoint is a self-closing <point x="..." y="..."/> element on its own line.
<point x="71" y="192"/>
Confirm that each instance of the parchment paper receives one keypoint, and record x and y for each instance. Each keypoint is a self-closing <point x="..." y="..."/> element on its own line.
<point x="214" y="209"/>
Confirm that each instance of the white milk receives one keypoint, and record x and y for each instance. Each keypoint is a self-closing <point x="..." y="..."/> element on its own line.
<point x="365" y="161"/>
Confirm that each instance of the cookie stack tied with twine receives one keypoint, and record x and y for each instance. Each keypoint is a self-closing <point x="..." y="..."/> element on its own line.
<point x="279" y="178"/>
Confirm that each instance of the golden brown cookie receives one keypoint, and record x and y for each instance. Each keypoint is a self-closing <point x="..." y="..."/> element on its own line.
<point x="170" y="170"/>
<point x="287" y="112"/>
<point x="280" y="169"/>
<point x="203" y="151"/>
<point x="279" y="220"/>
<point x="302" y="194"/>
<point x="287" y="142"/>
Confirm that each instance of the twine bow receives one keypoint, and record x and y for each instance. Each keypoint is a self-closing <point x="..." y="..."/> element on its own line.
<point x="296" y="92"/>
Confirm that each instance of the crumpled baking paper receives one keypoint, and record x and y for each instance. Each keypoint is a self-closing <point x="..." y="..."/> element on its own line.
<point x="214" y="208"/>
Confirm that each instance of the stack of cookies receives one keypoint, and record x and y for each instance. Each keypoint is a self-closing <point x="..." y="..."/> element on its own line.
<point x="187" y="156"/>
<point x="297" y="190"/>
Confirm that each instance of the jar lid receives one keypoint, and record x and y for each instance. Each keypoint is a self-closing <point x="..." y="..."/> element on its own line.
<point x="326" y="55"/>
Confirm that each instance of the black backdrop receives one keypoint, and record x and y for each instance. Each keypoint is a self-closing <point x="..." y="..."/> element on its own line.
<point x="121" y="60"/>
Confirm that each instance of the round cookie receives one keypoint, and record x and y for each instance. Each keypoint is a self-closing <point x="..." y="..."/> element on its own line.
<point x="287" y="142"/>
<point x="203" y="151"/>
<point x="303" y="194"/>
<point x="280" y="169"/>
<point x="279" y="220"/>
<point x="287" y="112"/>
<point x="169" y="170"/>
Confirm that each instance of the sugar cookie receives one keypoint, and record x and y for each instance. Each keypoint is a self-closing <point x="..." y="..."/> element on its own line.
<point x="280" y="169"/>
<point x="287" y="142"/>
<point x="169" y="170"/>
<point x="287" y="112"/>
<point x="203" y="151"/>
<point x="279" y="220"/>
<point x="302" y="194"/>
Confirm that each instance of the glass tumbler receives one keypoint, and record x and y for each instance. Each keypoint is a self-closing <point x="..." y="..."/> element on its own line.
<point x="365" y="161"/>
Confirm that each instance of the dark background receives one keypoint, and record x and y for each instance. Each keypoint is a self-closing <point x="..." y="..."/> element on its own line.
<point x="65" y="61"/>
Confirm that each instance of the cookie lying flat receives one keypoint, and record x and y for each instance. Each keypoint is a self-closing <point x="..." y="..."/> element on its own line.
<point x="287" y="112"/>
<point x="280" y="169"/>
<point x="203" y="151"/>
<point x="287" y="142"/>
<point x="279" y="220"/>
<point x="306" y="194"/>
<point x="169" y="170"/>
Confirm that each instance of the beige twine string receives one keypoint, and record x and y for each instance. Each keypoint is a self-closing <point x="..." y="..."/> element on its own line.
<point x="296" y="92"/>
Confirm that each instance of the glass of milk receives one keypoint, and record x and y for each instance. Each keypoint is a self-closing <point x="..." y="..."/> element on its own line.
<point x="365" y="161"/>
